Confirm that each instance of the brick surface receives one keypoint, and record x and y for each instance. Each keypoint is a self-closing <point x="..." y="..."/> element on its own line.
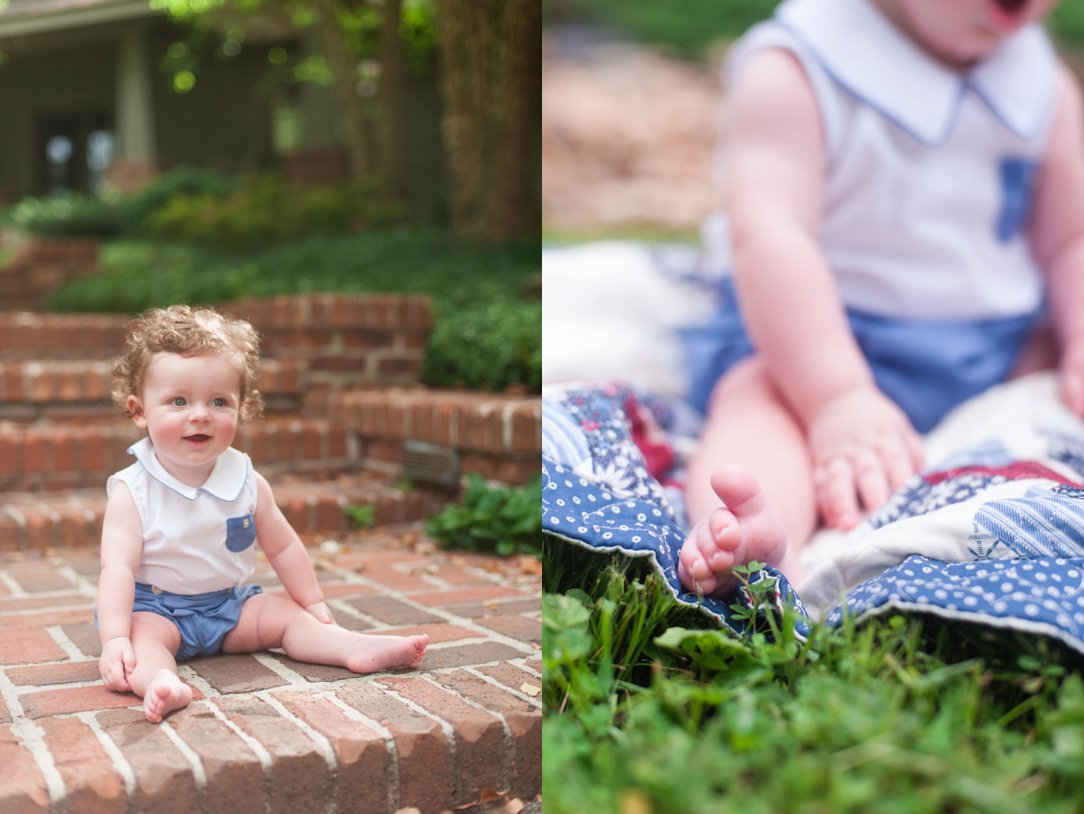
<point x="229" y="673"/>
<point x="22" y="787"/>
<point x="297" y="781"/>
<point x="26" y="645"/>
<point x="233" y="774"/>
<point x="92" y="784"/>
<point x="524" y="722"/>
<point x="74" y="699"/>
<point x="478" y="736"/>
<point x="164" y="780"/>
<point x="269" y="735"/>
<point x="365" y="777"/>
<point x="426" y="768"/>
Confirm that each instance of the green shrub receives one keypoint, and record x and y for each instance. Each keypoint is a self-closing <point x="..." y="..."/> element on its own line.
<point x="487" y="346"/>
<point x="68" y="214"/>
<point x="268" y="211"/>
<point x="493" y="519"/>
<point x="183" y="181"/>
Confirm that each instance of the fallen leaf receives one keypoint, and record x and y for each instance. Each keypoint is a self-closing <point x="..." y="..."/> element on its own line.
<point x="532" y="690"/>
<point x="530" y="565"/>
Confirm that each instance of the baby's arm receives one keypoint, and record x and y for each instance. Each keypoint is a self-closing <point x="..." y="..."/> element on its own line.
<point x="122" y="546"/>
<point x="287" y="554"/>
<point x="862" y="445"/>
<point x="1057" y="232"/>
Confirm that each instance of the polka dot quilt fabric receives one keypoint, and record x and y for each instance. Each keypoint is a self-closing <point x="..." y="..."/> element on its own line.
<point x="993" y="535"/>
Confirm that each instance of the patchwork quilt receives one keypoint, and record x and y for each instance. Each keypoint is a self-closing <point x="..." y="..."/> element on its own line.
<point x="992" y="533"/>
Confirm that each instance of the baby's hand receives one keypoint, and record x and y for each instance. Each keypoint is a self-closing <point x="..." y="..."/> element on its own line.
<point x="863" y="447"/>
<point x="1071" y="378"/>
<point x="117" y="663"/>
<point x="321" y="611"/>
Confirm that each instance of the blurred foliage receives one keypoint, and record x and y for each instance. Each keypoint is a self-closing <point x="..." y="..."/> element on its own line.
<point x="486" y="346"/>
<point x="486" y="302"/>
<point x="266" y="210"/>
<point x="689" y="29"/>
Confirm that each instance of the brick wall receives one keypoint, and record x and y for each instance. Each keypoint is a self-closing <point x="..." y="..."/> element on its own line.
<point x="40" y="265"/>
<point x="499" y="437"/>
<point x="365" y="339"/>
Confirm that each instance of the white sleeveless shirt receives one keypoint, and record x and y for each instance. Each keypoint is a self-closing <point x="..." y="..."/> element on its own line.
<point x="929" y="172"/>
<point x="195" y="539"/>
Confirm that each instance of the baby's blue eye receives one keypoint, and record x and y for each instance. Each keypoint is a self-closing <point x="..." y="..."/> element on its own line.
<point x="179" y="401"/>
<point x="219" y="402"/>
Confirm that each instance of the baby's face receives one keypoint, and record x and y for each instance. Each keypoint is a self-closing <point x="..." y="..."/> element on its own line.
<point x="189" y="406"/>
<point x="962" y="32"/>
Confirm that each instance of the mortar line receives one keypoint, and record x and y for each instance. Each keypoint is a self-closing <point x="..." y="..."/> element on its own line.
<point x="31" y="735"/>
<point x="116" y="756"/>
<point x="66" y="644"/>
<point x="446" y="728"/>
<point x="199" y="773"/>
<point x="389" y="742"/>
<point x="473" y="670"/>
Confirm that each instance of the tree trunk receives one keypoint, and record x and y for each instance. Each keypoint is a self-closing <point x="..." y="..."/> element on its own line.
<point x="344" y="70"/>
<point x="392" y="93"/>
<point x="491" y="83"/>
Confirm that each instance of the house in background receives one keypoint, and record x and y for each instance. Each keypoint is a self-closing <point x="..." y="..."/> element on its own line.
<point x="85" y="102"/>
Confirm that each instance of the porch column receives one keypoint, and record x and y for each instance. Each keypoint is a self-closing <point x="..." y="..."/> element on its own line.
<point x="135" y="163"/>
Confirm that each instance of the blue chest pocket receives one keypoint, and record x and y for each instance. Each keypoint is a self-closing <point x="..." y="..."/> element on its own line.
<point x="240" y="532"/>
<point x="1017" y="185"/>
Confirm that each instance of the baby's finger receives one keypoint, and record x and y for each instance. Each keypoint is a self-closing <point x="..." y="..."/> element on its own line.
<point x="836" y="497"/>
<point x="871" y="481"/>
<point x="898" y="462"/>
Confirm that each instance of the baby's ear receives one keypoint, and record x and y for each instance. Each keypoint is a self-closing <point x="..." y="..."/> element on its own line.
<point x="135" y="410"/>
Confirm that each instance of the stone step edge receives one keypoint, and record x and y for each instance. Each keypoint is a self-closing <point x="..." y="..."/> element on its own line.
<point x="73" y="519"/>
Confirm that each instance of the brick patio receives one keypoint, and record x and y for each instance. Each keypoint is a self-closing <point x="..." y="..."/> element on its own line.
<point x="269" y="734"/>
<point x="266" y="733"/>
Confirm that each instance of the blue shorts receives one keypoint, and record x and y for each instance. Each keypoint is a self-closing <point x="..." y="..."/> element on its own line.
<point x="926" y="367"/>
<point x="203" y="619"/>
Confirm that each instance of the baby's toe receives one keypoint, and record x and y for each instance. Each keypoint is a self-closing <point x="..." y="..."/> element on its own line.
<point x="725" y="533"/>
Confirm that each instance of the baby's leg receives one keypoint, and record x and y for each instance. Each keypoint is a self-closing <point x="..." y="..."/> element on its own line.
<point x="155" y="639"/>
<point x="750" y="488"/>
<point x="274" y="621"/>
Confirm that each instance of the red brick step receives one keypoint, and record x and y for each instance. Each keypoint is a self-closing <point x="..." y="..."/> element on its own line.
<point x="73" y="518"/>
<point x="48" y="457"/>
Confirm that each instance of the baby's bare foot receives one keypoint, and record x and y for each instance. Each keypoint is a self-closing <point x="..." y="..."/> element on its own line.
<point x="165" y="693"/>
<point x="743" y="530"/>
<point x="375" y="652"/>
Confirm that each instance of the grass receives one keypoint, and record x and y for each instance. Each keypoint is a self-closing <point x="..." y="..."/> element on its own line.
<point x="649" y="710"/>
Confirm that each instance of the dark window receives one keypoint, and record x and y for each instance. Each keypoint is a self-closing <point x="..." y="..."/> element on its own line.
<point x="74" y="151"/>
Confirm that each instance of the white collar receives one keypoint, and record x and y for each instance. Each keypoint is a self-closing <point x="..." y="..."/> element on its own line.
<point x="865" y="53"/>
<point x="225" y="482"/>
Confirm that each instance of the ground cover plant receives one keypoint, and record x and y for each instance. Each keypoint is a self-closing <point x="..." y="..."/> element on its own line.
<point x="650" y="709"/>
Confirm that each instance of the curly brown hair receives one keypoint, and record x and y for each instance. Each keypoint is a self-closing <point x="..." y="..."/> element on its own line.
<point x="188" y="332"/>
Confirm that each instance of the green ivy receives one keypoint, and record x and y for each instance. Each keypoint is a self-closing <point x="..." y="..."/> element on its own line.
<point x="500" y="520"/>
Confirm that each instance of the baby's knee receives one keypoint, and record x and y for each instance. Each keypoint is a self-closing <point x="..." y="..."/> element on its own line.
<point x="748" y="378"/>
